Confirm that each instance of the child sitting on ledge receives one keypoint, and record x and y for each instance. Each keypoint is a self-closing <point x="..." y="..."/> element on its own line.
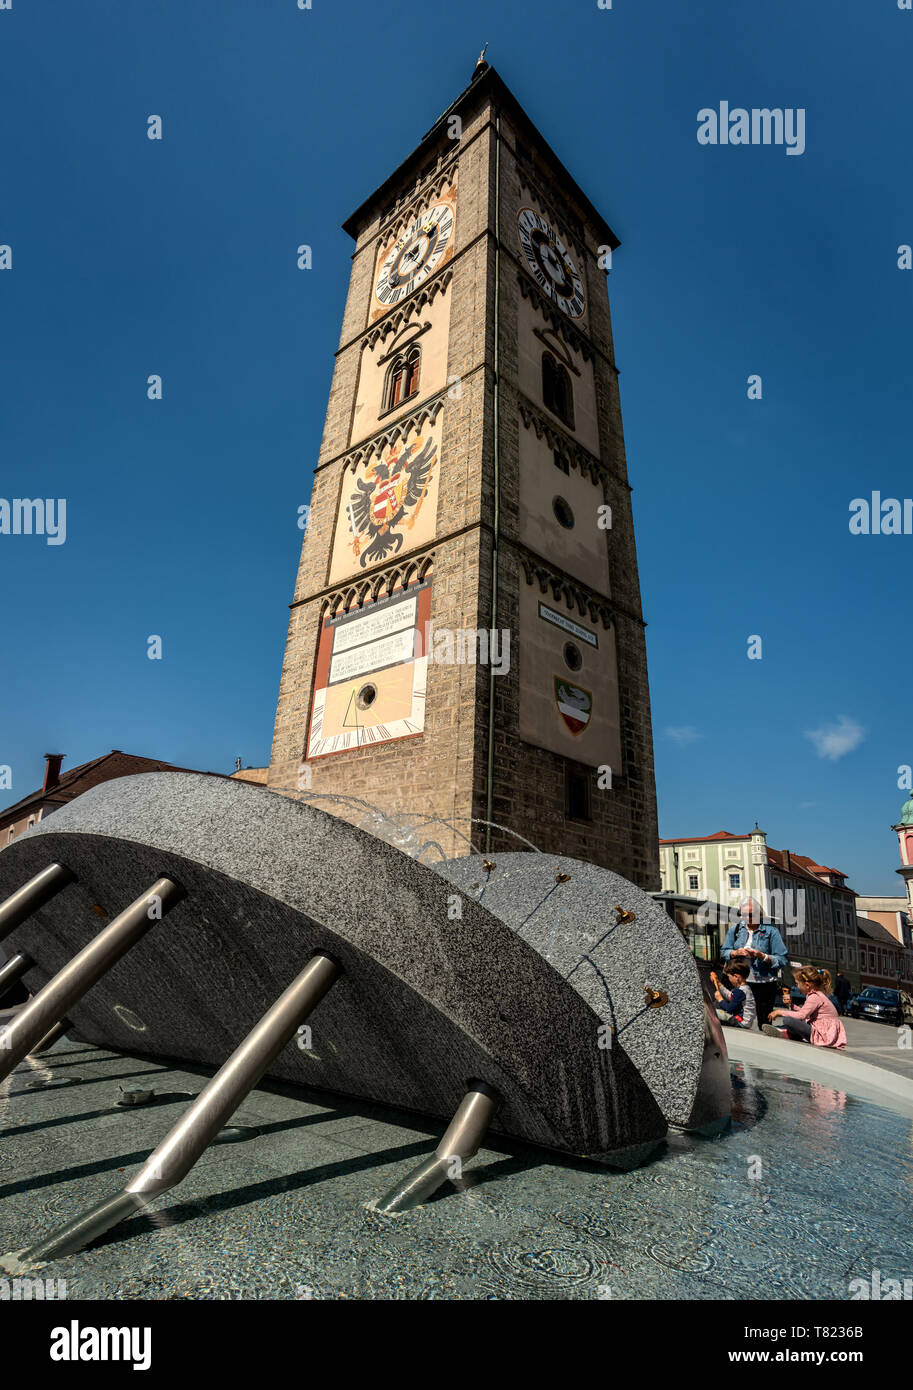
<point x="735" y="1006"/>
<point x="816" y="1021"/>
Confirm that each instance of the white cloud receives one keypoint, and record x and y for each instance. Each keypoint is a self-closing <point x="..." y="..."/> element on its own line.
<point x="683" y="734"/>
<point x="834" y="741"/>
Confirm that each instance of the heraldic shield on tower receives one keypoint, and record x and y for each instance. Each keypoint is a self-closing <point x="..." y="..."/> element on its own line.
<point x="387" y="501"/>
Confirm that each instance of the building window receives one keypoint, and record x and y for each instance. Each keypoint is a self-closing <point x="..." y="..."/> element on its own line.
<point x="9" y="838"/>
<point x="563" y="514"/>
<point x="573" y="658"/>
<point x="557" y="391"/>
<point x="735" y="880"/>
<point x="577" y="795"/>
<point x="693" y="881"/>
<point x="402" y="378"/>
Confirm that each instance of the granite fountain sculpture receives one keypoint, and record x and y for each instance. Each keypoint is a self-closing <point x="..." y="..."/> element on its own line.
<point x="199" y="918"/>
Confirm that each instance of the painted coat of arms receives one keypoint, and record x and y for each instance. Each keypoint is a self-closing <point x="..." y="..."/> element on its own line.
<point x="575" y="705"/>
<point x="388" y="499"/>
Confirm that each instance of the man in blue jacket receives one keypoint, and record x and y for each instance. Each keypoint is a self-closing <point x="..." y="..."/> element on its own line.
<point x="763" y="951"/>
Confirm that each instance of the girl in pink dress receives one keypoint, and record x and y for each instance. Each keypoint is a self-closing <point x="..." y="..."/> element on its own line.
<point x="816" y="1021"/>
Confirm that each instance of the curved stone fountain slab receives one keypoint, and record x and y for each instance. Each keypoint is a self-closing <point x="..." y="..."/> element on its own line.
<point x="428" y="1001"/>
<point x="677" y="1049"/>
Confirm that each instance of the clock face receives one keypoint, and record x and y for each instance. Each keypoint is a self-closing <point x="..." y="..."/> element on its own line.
<point x="417" y="253"/>
<point x="552" y="267"/>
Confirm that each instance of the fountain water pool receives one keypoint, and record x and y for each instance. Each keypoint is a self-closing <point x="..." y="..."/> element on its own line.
<point x="560" y="985"/>
<point x="809" y="1191"/>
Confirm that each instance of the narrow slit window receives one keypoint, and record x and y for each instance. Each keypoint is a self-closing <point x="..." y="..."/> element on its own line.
<point x="557" y="391"/>
<point x="403" y="378"/>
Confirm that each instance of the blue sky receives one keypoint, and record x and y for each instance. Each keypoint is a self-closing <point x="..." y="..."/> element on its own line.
<point x="178" y="257"/>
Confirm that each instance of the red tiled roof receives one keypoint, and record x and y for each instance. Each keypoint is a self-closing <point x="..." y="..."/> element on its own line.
<point x="794" y="865"/>
<point x="816" y="869"/>
<point x="87" y="775"/>
<point x="702" y="839"/>
<point x="803" y="867"/>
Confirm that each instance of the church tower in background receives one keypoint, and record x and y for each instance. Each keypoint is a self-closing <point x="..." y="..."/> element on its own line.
<point x="466" y="639"/>
<point x="904" y="832"/>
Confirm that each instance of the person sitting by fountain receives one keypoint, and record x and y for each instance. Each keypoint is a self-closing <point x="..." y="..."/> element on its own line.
<point x="762" y="948"/>
<point x="816" y="1021"/>
<point x="735" y="1002"/>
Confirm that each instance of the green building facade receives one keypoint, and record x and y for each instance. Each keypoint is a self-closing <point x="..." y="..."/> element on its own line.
<point x="809" y="902"/>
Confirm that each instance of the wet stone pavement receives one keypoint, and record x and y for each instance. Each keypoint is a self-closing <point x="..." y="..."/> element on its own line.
<point x="808" y="1190"/>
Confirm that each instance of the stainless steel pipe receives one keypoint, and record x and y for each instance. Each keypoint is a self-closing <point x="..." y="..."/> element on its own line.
<point x="52" y="1003"/>
<point x="12" y="971"/>
<point x="461" y="1140"/>
<point x="173" y="1159"/>
<point x="217" y="1102"/>
<point x="49" y="1039"/>
<point x="32" y="895"/>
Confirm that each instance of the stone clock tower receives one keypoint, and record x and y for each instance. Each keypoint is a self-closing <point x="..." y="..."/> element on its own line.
<point x="466" y="639"/>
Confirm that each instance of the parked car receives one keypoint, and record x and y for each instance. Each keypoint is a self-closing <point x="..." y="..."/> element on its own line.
<point x="879" y="1005"/>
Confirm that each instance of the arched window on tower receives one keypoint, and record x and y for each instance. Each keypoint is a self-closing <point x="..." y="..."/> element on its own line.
<point x="402" y="378"/>
<point x="557" y="391"/>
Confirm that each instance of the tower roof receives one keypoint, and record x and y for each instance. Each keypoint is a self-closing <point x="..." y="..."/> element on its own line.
<point x="485" y="81"/>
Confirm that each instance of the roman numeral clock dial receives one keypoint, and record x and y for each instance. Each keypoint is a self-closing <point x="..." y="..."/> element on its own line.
<point x="551" y="266"/>
<point x="417" y="253"/>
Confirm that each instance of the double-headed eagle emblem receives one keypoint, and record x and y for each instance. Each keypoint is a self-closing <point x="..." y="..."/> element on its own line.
<point x="388" y="497"/>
